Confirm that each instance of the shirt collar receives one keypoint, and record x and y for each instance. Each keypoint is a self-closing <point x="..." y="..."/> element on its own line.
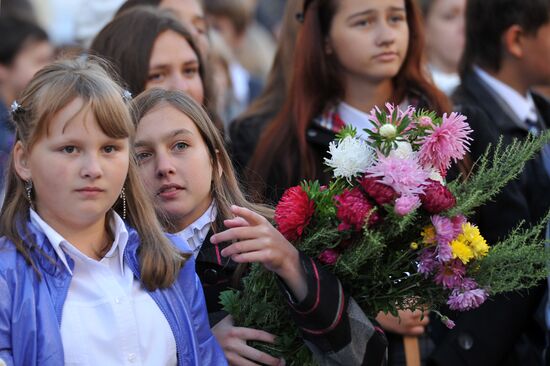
<point x="58" y="242"/>
<point x="200" y="225"/>
<point x="523" y="106"/>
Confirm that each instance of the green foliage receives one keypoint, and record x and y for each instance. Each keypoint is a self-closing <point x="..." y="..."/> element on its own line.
<point x="493" y="170"/>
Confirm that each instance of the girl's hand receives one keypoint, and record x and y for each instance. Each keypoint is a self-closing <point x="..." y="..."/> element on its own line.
<point x="256" y="240"/>
<point x="412" y="323"/>
<point x="233" y="342"/>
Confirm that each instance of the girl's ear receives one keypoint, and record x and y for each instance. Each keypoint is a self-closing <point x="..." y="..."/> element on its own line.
<point x="21" y="161"/>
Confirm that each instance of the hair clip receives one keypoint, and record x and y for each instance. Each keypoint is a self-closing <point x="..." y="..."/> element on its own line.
<point x="126" y="95"/>
<point x="15" y="106"/>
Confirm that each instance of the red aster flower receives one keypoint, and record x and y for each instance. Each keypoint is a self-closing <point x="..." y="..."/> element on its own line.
<point x="293" y="213"/>
<point x="437" y="198"/>
<point x="381" y="193"/>
<point x="353" y="209"/>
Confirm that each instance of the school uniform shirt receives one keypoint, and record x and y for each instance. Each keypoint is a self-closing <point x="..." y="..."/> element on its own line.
<point x="107" y="318"/>
<point x="195" y="234"/>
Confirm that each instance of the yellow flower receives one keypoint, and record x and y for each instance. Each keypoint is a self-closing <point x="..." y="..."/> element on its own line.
<point x="414" y="245"/>
<point x="461" y="250"/>
<point x="472" y="237"/>
<point x="428" y="235"/>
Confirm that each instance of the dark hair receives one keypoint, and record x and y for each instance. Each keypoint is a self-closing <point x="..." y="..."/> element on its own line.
<point x="486" y="22"/>
<point x="237" y="11"/>
<point x="16" y="34"/>
<point x="316" y="83"/>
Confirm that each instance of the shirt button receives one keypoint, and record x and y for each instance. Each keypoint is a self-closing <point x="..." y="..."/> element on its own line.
<point x="117" y="300"/>
<point x="131" y="357"/>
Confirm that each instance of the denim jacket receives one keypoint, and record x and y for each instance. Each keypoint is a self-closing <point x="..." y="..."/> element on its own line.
<point x="30" y="309"/>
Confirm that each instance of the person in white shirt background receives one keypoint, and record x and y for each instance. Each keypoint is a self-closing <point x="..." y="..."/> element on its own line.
<point x="444" y="31"/>
<point x="81" y="285"/>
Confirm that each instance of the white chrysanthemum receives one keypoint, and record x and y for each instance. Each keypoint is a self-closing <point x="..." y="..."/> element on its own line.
<point x="350" y="157"/>
<point x="404" y="150"/>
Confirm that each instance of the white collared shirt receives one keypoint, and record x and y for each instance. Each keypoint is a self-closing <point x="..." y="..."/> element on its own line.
<point x="356" y="118"/>
<point x="523" y="106"/>
<point x="108" y="318"/>
<point x="195" y="234"/>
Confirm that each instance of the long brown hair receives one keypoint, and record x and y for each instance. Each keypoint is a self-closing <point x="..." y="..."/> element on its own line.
<point x="225" y="187"/>
<point x="51" y="89"/>
<point x="316" y="83"/>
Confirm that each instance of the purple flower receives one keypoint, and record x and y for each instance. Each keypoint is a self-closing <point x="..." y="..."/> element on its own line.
<point x="404" y="205"/>
<point x="444" y="229"/>
<point x="448" y="322"/>
<point x="427" y="262"/>
<point x="466" y="300"/>
<point x="458" y="221"/>
<point x="451" y="275"/>
<point x="444" y="252"/>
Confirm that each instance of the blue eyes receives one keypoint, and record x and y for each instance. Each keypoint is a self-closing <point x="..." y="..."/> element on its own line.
<point x="68" y="149"/>
<point x="180" y="146"/>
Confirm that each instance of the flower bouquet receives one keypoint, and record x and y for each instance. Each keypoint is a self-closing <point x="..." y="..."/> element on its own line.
<point x="391" y="228"/>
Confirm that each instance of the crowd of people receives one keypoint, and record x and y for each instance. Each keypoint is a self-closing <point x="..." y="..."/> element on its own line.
<point x="142" y="153"/>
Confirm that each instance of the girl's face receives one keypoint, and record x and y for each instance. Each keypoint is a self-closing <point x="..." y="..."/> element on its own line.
<point x="175" y="66"/>
<point x="175" y="164"/>
<point x="369" y="38"/>
<point x="444" y="28"/>
<point x="77" y="171"/>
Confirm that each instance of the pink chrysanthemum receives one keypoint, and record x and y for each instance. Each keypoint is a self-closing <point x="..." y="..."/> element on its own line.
<point x="447" y="142"/>
<point x="293" y="213"/>
<point x="404" y="205"/>
<point x="405" y="176"/>
<point x="451" y="275"/>
<point x="353" y="210"/>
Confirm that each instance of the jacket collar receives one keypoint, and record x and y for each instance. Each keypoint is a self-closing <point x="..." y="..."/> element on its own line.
<point x="49" y="261"/>
<point x="497" y="110"/>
